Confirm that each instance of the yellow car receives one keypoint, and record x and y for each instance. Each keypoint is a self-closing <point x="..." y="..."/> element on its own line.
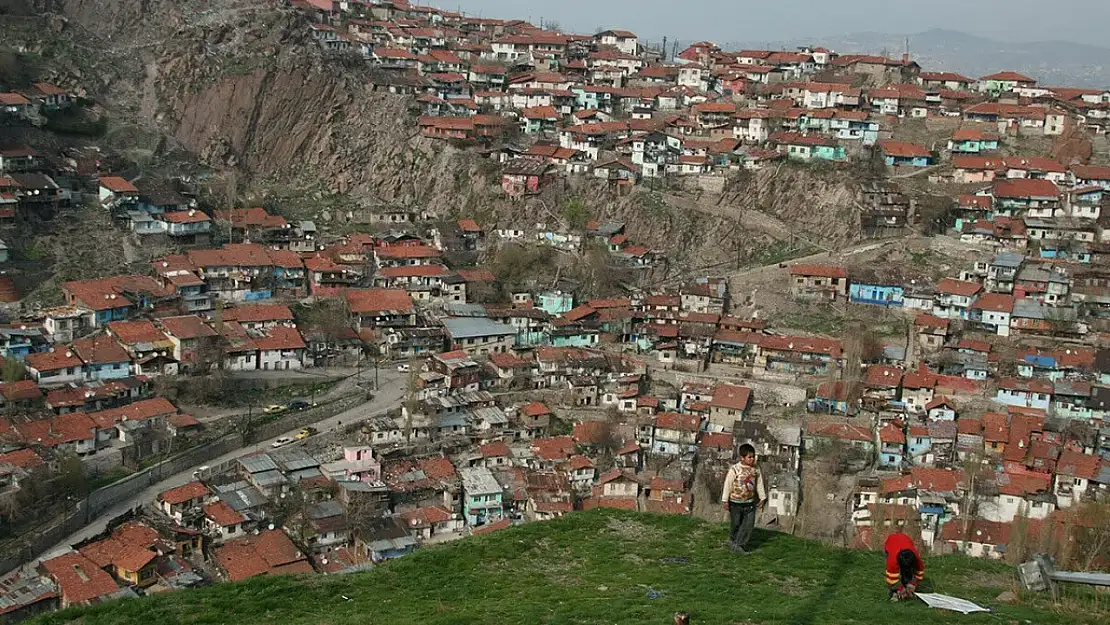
<point x="305" y="433"/>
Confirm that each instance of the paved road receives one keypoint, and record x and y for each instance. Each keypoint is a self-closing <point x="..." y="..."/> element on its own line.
<point x="390" y="394"/>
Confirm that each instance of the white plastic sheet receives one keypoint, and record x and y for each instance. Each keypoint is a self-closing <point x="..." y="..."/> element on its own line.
<point x="944" y="602"/>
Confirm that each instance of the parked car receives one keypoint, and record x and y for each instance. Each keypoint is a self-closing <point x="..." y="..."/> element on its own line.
<point x="404" y="368"/>
<point x="274" y="409"/>
<point x="281" y="442"/>
<point x="298" y="404"/>
<point x="305" y="433"/>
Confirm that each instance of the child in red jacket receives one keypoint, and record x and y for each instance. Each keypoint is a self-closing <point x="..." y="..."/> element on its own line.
<point x="904" y="567"/>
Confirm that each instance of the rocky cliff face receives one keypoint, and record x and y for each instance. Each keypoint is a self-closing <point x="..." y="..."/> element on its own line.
<point x="241" y="85"/>
<point x="822" y="201"/>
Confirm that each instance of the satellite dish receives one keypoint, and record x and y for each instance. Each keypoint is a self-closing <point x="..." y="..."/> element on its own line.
<point x="271" y="526"/>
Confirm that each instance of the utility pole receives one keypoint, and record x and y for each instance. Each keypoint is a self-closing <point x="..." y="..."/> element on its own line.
<point x="410" y="398"/>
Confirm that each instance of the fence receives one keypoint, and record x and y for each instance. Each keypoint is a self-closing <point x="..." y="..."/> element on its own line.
<point x="105" y="497"/>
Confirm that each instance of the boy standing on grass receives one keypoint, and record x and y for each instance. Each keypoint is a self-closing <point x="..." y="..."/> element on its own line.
<point x="743" y="495"/>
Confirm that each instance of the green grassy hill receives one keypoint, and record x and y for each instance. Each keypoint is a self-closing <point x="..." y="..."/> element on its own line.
<point x="602" y="567"/>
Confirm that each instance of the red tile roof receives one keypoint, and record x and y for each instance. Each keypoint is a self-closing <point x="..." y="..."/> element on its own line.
<point x="66" y="428"/>
<point x="186" y="217"/>
<point x="553" y="448"/>
<point x="79" y="578"/>
<point x="115" y="184"/>
<point x="137" y="411"/>
<point x="951" y="286"/>
<point x="936" y="480"/>
<point x="181" y="494"/>
<point x="973" y="134"/>
<point x="902" y="149"/>
<point x="1022" y="188"/>
<point x="280" y="338"/>
<point x="186" y="327"/>
<point x="883" y="376"/>
<point x="109" y="293"/>
<point x="23" y="390"/>
<point x="535" y="409"/>
<point x="731" y="397"/>
<point x="497" y="449"/>
<point x="1076" y="464"/>
<point x="439" y="468"/>
<point x="137" y="332"/>
<point x="22" y="458"/>
<point x="100" y="349"/>
<point x="222" y="514"/>
<point x="426" y="517"/>
<point x="995" y="302"/>
<point x="678" y="422"/>
<point x="365" y="301"/>
<point x="929" y="321"/>
<point x="1008" y="76"/>
<point x="271" y="552"/>
<point x="890" y="433"/>
<point x="53" y="360"/>
<point x="800" y="344"/>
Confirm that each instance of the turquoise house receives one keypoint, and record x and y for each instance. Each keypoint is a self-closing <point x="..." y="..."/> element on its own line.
<point x="574" y="337"/>
<point x="902" y="154"/>
<point x="482" y="496"/>
<point x="554" y="302"/>
<point x="970" y="141"/>
<point x="876" y="294"/>
<point x="811" y="148"/>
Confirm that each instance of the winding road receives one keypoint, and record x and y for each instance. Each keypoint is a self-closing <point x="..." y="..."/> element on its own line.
<point x="389" y="395"/>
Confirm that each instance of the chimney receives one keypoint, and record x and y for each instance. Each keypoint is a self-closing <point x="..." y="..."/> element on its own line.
<point x="905" y="58"/>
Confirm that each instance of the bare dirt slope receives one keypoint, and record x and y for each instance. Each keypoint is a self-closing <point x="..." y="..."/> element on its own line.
<point x="242" y="86"/>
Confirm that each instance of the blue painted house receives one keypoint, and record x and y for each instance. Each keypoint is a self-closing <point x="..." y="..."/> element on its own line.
<point x="834" y="398"/>
<point x="919" y="444"/>
<point x="554" y="302"/>
<point x="1024" y="393"/>
<point x="972" y="141"/>
<point x="16" y="343"/>
<point x="878" y="294"/>
<point x="105" y="297"/>
<point x="104" y="358"/>
<point x="903" y="154"/>
<point x="892" y="446"/>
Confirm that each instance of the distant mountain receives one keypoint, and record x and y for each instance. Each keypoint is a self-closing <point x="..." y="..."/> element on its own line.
<point x="1052" y="63"/>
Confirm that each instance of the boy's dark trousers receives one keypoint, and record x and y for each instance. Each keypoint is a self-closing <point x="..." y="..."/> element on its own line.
<point x="741" y="518"/>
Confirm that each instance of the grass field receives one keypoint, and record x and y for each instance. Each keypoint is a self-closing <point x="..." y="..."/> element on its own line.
<point x="602" y="567"/>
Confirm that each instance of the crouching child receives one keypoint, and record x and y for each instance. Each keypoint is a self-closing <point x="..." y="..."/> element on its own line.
<point x="904" y="566"/>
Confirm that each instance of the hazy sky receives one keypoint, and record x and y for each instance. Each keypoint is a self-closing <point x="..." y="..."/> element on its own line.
<point x="768" y="20"/>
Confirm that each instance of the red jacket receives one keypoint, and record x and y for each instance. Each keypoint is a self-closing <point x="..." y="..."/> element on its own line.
<point x="894" y="544"/>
